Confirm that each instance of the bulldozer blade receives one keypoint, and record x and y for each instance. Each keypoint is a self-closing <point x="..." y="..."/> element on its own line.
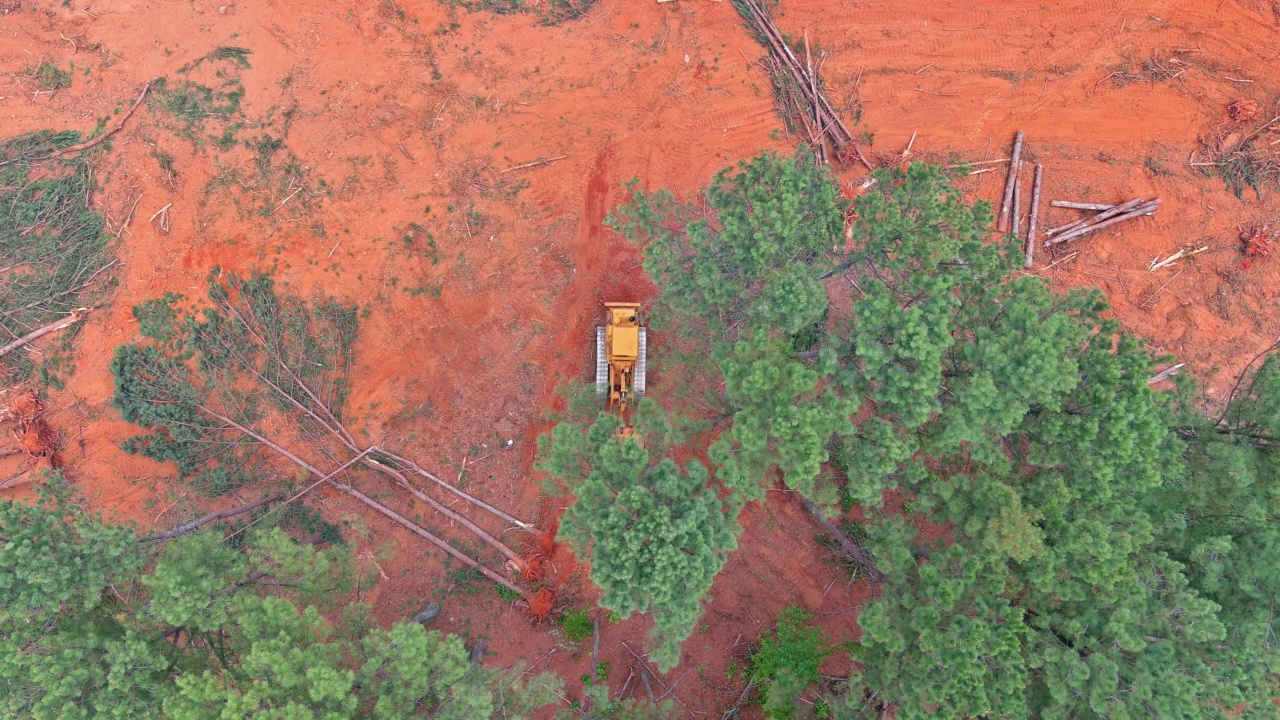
<point x="602" y="365"/>
<point x="637" y="382"/>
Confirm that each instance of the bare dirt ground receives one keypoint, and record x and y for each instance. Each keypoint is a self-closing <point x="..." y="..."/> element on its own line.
<point x="480" y="306"/>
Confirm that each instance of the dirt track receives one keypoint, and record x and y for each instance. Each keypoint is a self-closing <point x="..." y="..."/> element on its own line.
<point x="397" y="113"/>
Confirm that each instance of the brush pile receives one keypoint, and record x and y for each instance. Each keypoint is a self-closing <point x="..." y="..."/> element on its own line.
<point x="53" y="248"/>
<point x="1242" y="156"/>
<point x="797" y="82"/>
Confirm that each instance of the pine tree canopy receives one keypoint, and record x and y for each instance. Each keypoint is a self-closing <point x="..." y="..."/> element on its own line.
<point x="655" y="532"/>
<point x="205" y="628"/>
<point x="1100" y="548"/>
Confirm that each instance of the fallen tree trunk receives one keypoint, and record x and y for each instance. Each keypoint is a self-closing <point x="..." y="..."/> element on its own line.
<point x="419" y="531"/>
<point x="857" y="555"/>
<point x="41" y="332"/>
<point x="335" y="427"/>
<point x="19" y="479"/>
<point x="338" y="430"/>
<point x="191" y="526"/>
<point x="1016" y="226"/>
<point x="1032" y="221"/>
<point x="1006" y="206"/>
<point x="400" y="480"/>
<point x="412" y="466"/>
<point x="483" y="570"/>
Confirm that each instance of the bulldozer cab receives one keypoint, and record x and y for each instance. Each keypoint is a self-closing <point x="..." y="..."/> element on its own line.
<point x="621" y="345"/>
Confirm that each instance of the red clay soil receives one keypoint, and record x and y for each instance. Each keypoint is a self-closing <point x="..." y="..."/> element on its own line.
<point x="397" y="106"/>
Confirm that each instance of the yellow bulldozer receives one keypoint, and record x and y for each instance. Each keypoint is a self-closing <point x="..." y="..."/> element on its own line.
<point x="621" y="345"/>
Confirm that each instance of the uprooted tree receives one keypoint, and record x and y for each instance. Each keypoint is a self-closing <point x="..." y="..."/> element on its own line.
<point x="94" y="623"/>
<point x="253" y="375"/>
<point x="1107" y="553"/>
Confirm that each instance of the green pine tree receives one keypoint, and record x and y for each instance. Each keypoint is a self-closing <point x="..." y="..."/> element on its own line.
<point x="92" y="625"/>
<point x="1097" y="550"/>
<point x="655" y="533"/>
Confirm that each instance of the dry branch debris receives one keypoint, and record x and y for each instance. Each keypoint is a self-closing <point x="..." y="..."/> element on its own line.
<point x="828" y="123"/>
<point x="535" y="163"/>
<point x="856" y="555"/>
<point x="1256" y="244"/>
<point x="1158" y="264"/>
<point x="112" y="131"/>
<point x="38" y="441"/>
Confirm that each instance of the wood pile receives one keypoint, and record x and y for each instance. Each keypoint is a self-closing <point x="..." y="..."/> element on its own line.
<point x="1109" y="215"/>
<point x="821" y="120"/>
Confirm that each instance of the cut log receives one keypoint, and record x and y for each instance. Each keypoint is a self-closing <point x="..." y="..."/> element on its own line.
<point x="1144" y="209"/>
<point x="1016" y="224"/>
<point x="1063" y="228"/>
<point x="1165" y="374"/>
<point x="1111" y="212"/>
<point x="1032" y="220"/>
<point x="1006" y="207"/>
<point x="191" y="526"/>
<point x="1080" y="205"/>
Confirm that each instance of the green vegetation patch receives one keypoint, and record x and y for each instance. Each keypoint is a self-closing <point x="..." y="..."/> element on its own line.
<point x="51" y="77"/>
<point x="785" y="662"/>
<point x="54" y="251"/>
<point x="192" y="105"/>
<point x="255" y="351"/>
<point x="549" y="12"/>
<point x="94" y="623"/>
<point x="576" y="624"/>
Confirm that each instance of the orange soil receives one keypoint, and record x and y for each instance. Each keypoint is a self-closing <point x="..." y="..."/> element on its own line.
<point x="666" y="93"/>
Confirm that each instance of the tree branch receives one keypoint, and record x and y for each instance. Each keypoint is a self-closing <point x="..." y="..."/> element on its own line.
<point x="41" y="332"/>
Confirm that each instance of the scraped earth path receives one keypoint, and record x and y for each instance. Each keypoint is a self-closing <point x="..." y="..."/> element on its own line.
<point x="397" y="113"/>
